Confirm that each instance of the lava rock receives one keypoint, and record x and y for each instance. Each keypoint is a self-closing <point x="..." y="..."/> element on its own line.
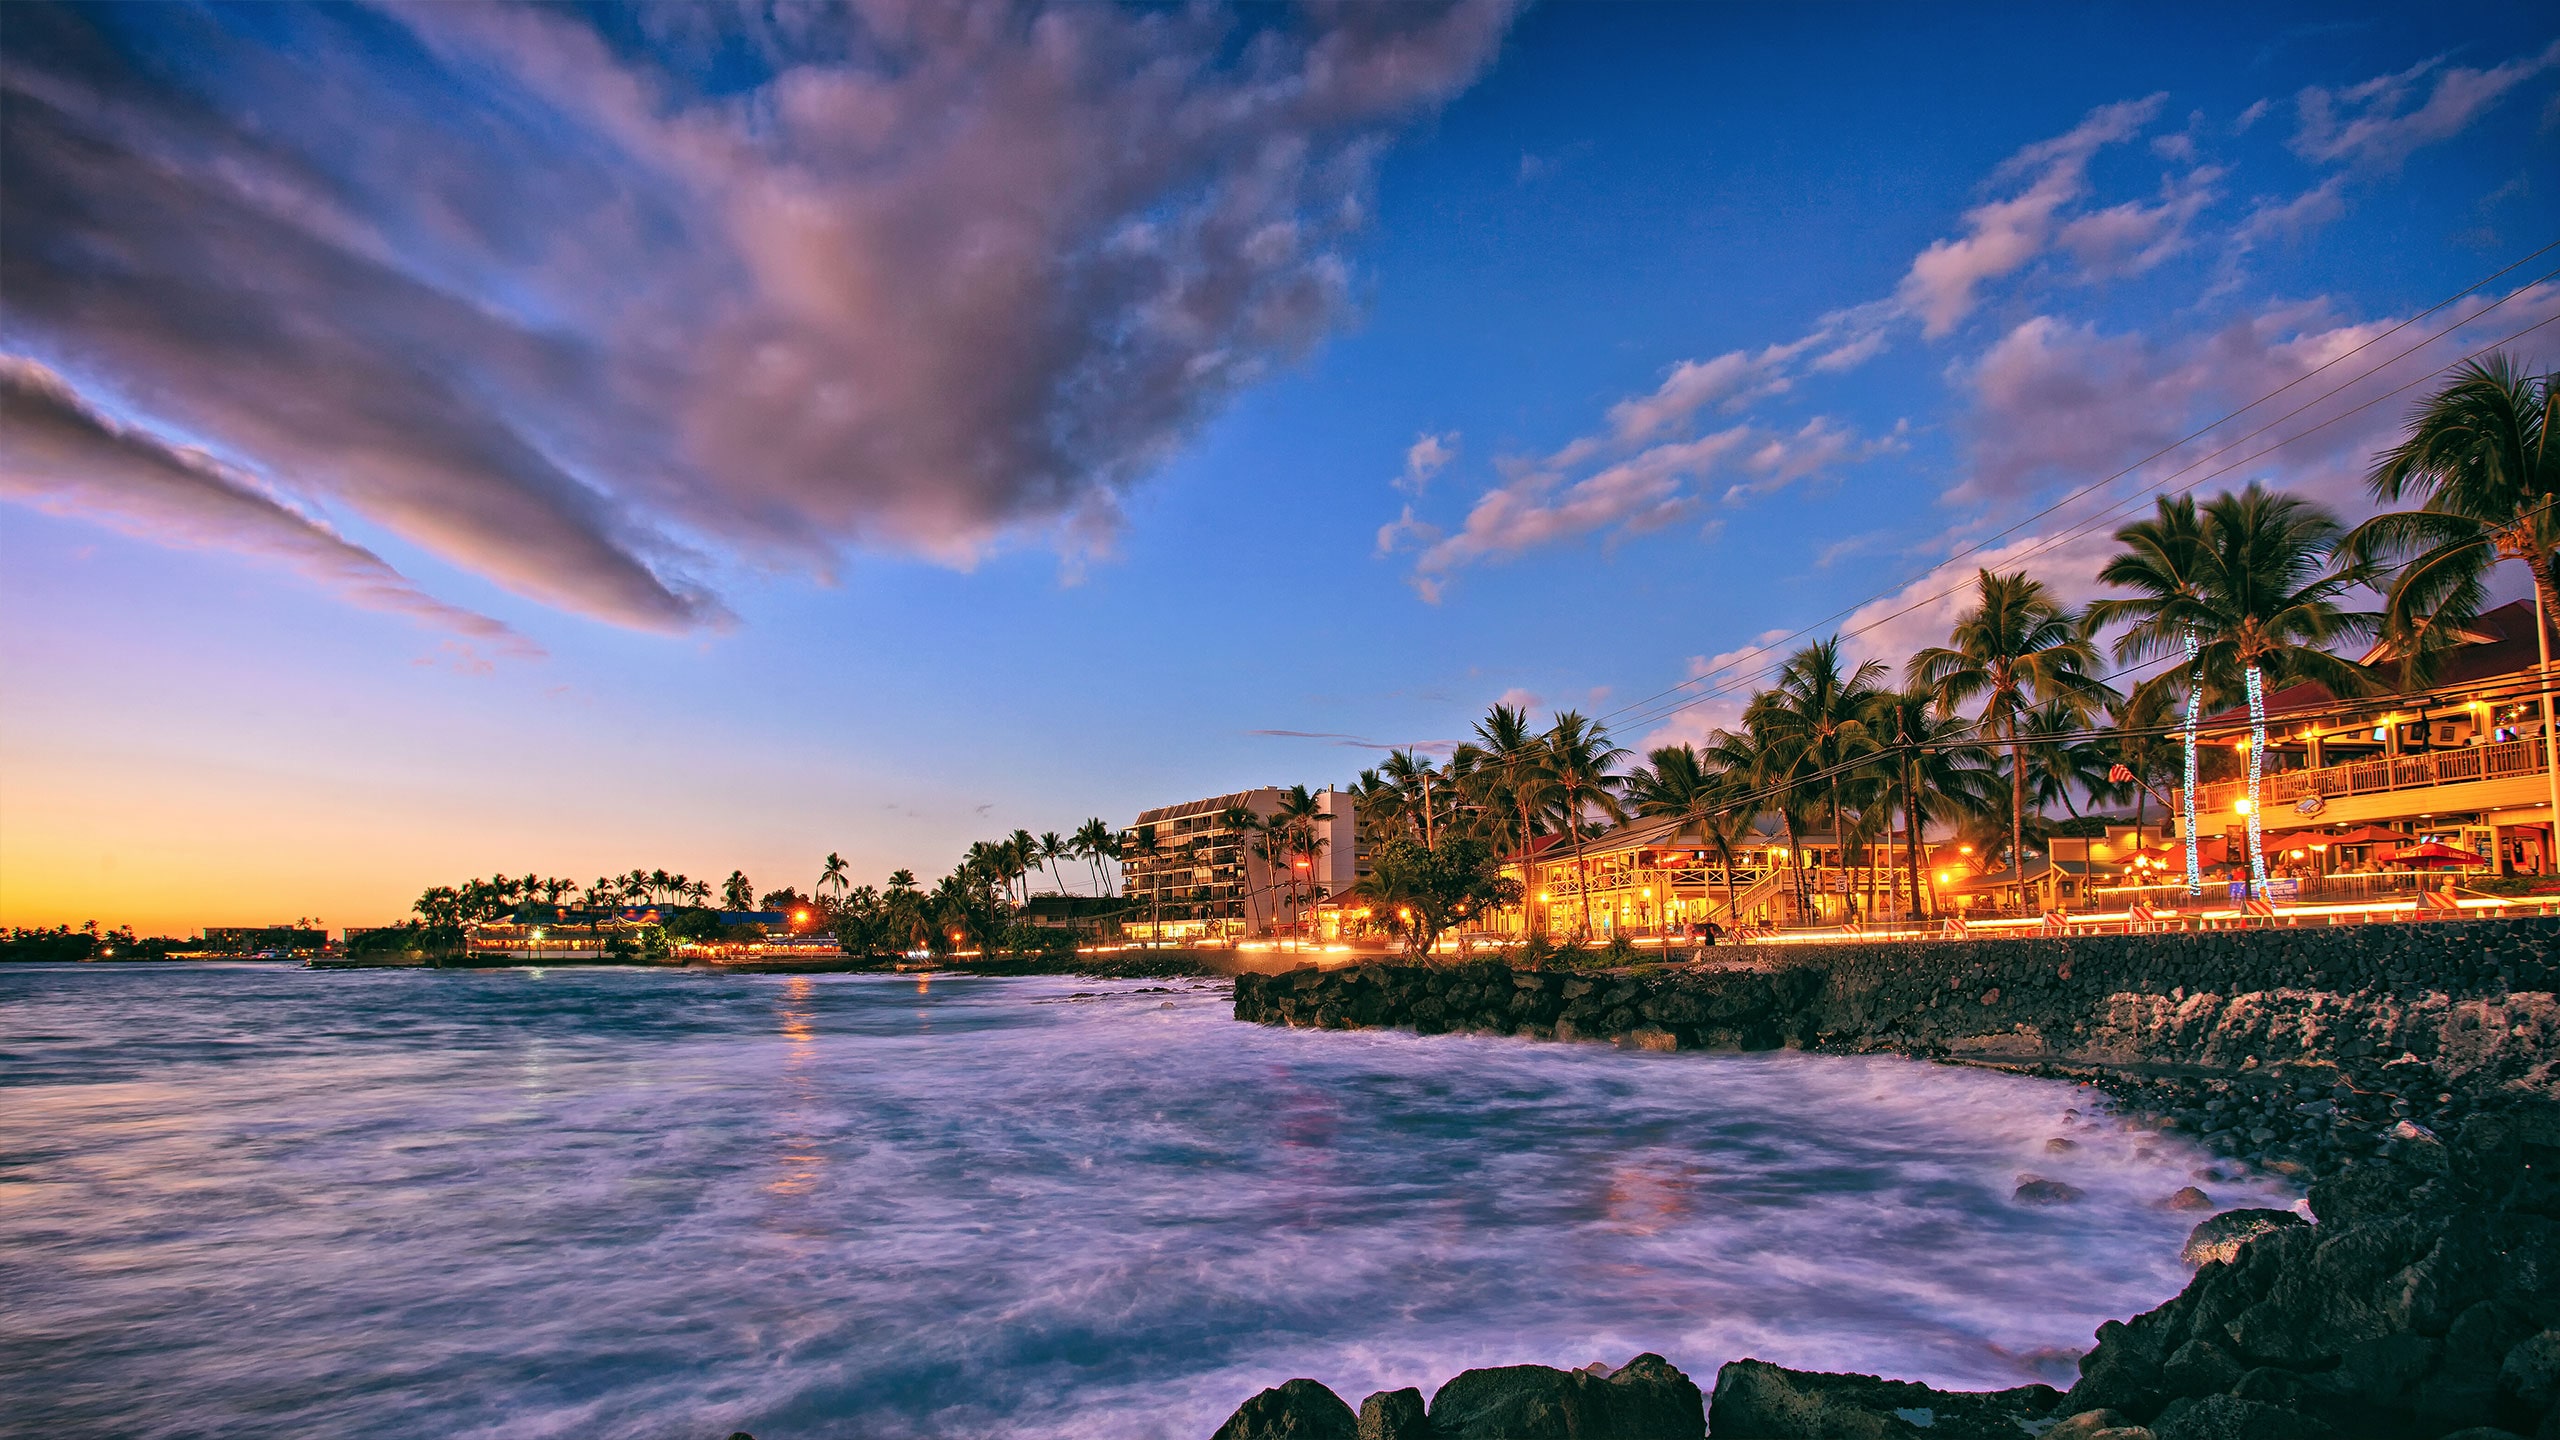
<point x="1297" y="1409"/>
<point x="2188" y="1198"/>
<point x="2531" y="1374"/>
<point x="1395" y="1415"/>
<point x="2096" y="1425"/>
<point x="1645" y="1399"/>
<point x="2221" y="1237"/>
<point x="2035" y="1190"/>
<point x="1755" y="1400"/>
<point x="2228" y="1417"/>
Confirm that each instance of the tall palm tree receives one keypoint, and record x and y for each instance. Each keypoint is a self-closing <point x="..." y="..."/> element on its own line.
<point x="2163" y="560"/>
<point x="1677" y="781"/>
<point x="1819" y="708"/>
<point x="1021" y="857"/>
<point x="1409" y="781"/>
<point x="1146" y="849"/>
<point x="831" y="875"/>
<point x="2270" y="571"/>
<point x="1942" y="773"/>
<point x="1054" y="848"/>
<point x="738" y="892"/>
<point x="1252" y="837"/>
<point x="1510" y="769"/>
<point x="1096" y="842"/>
<point x="1763" y="768"/>
<point x="2016" y="648"/>
<point x="698" y="891"/>
<point x="1581" y="765"/>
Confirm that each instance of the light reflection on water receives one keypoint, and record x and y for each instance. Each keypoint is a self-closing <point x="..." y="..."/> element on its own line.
<point x="240" y="1201"/>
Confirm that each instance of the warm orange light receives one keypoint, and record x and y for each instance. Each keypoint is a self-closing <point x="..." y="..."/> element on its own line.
<point x="2240" y="806"/>
<point x="799" y="917"/>
<point x="1964" y="849"/>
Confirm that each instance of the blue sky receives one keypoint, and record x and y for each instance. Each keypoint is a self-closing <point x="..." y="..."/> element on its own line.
<point x="509" y="443"/>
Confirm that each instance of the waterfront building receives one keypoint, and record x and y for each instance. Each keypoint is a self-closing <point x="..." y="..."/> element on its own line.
<point x="2352" y="786"/>
<point x="1189" y="874"/>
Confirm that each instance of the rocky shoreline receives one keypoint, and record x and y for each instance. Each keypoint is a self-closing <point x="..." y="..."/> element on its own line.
<point x="2406" y="1074"/>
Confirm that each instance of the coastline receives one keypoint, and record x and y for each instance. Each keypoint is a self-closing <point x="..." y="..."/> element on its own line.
<point x="2406" y="1077"/>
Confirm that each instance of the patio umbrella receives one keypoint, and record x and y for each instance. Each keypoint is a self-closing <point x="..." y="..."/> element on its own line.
<point x="2434" y="856"/>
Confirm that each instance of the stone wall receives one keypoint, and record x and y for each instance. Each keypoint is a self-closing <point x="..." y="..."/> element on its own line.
<point x="2471" y="998"/>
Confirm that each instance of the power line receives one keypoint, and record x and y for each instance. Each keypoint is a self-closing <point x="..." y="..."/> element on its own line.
<point x="2076" y="531"/>
<point x="2171" y="448"/>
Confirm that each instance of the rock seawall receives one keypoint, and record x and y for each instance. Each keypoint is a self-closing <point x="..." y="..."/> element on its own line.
<point x="2411" y="1072"/>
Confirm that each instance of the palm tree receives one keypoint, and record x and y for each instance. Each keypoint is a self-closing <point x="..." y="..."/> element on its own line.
<point x="698" y="891"/>
<point x="1251" y="837"/>
<point x="2163" y="559"/>
<point x="1147" y="849"/>
<point x="1054" y="848"/>
<point x="2064" y="758"/>
<point x="2477" y="457"/>
<point x="1512" y="774"/>
<point x="1819" y="709"/>
<point x="738" y="892"/>
<point x="2269" y="572"/>
<point x="831" y="875"/>
<point x="1677" y="781"/>
<point x="1021" y="857"/>
<point x="2015" y="649"/>
<point x="1408" y="780"/>
<point x="1096" y="842"/>
<point x="1942" y="774"/>
<point x="1582" y="765"/>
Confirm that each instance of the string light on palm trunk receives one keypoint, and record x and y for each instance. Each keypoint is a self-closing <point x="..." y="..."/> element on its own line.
<point x="2257" y="763"/>
<point x="2195" y="713"/>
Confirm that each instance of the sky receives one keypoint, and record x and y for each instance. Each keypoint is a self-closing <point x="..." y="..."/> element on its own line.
<point x="442" y="440"/>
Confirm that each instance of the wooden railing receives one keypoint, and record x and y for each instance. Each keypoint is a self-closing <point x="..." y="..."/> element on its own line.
<point x="2505" y="760"/>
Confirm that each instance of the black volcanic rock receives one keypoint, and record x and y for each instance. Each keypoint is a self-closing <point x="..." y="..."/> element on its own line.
<point x="1645" y="1399"/>
<point x="1294" y="1410"/>
<point x="1395" y="1415"/>
<point x="2221" y="1237"/>
<point x="1755" y="1400"/>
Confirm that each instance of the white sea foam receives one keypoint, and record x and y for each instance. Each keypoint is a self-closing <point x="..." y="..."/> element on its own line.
<point x="613" y="1203"/>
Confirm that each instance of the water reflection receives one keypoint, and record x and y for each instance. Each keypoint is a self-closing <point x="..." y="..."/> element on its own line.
<point x="802" y="1155"/>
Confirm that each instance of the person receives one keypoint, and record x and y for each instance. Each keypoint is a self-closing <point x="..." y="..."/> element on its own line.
<point x="1710" y="933"/>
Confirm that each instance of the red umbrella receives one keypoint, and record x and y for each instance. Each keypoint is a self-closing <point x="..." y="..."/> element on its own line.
<point x="2434" y="854"/>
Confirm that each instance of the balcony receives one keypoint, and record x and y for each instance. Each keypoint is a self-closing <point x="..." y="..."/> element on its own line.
<point x="2505" y="760"/>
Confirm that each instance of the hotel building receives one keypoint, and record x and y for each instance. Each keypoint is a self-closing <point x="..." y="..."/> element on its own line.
<point x="1205" y="879"/>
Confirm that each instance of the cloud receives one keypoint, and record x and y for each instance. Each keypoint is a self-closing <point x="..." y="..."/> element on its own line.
<point x="596" y="314"/>
<point x="1643" y="492"/>
<point x="1427" y="456"/>
<point x="2381" y="122"/>
<point x="2131" y="238"/>
<point x="61" y="454"/>
<point x="1733" y="379"/>
<point x="2002" y="236"/>
<point x="2056" y="401"/>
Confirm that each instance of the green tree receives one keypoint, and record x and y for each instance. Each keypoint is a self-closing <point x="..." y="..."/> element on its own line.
<point x="1941" y="772"/>
<point x="1054" y="848"/>
<point x="831" y="876"/>
<point x="2163" y="560"/>
<point x="2013" y="650"/>
<point x="738" y="893"/>
<point x="1421" y="892"/>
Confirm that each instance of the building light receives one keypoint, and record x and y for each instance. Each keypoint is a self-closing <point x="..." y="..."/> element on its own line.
<point x="2240" y="806"/>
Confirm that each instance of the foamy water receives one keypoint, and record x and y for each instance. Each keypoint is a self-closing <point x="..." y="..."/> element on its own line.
<point x="244" y="1201"/>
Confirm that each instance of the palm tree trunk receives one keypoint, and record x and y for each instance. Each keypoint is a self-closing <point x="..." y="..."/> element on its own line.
<point x="1911" y="828"/>
<point x="1581" y="872"/>
<point x="1795" y="857"/>
<point x="2257" y="766"/>
<point x="1531" y="918"/>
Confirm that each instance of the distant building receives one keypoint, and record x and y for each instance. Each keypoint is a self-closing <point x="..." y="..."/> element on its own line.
<point x="259" y="939"/>
<point x="1188" y="873"/>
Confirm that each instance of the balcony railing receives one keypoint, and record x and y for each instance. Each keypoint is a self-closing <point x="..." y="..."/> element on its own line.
<point x="2505" y="760"/>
